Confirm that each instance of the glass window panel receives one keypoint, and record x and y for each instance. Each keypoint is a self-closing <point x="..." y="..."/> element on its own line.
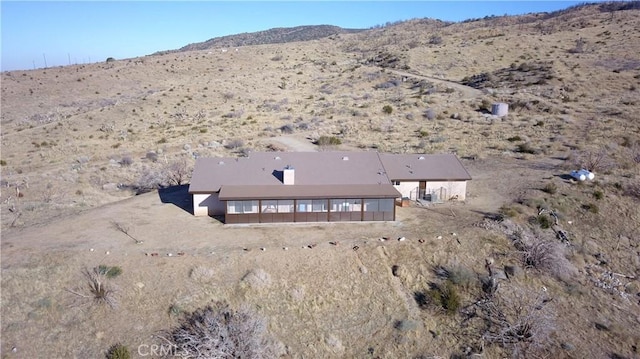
<point x="285" y="206"/>
<point x="386" y="205"/>
<point x="371" y="205"/>
<point x="356" y="205"/>
<point x="319" y="205"/>
<point x="269" y="206"/>
<point x="304" y="205"/>
<point x="250" y="206"/>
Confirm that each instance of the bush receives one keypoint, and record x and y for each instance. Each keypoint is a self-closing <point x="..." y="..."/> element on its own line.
<point x="110" y="59"/>
<point x="126" y="161"/>
<point x="98" y="288"/>
<point x="217" y="331"/>
<point x="550" y="188"/>
<point x="234" y="144"/>
<point x="328" y="141"/>
<point x="591" y="207"/>
<point x="598" y="194"/>
<point x="430" y="114"/>
<point x="544" y="221"/>
<point x="387" y="109"/>
<point x="118" y="351"/>
<point x="445" y="296"/>
<point x="526" y="148"/>
<point x="286" y="129"/>
<point x="514" y="139"/>
<point x="107" y="271"/>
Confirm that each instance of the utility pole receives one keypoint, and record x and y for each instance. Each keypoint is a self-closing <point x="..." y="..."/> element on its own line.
<point x="34" y="64"/>
<point x="45" y="60"/>
<point x="69" y="57"/>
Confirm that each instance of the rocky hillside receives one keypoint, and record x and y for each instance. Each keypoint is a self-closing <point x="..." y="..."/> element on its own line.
<point x="272" y="36"/>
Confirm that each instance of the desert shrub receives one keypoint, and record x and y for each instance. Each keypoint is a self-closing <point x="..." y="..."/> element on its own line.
<point x="177" y="173"/>
<point x="234" y="144"/>
<point x="518" y="321"/>
<point x="110" y="59"/>
<point x="514" y="138"/>
<point x="429" y="114"/>
<point x="108" y="271"/>
<point x="449" y="297"/>
<point x="591" y="207"/>
<point x="486" y="105"/>
<point x="3" y="163"/>
<point x="218" y="331"/>
<point x="435" y="40"/>
<point x="162" y="140"/>
<point x="118" y="351"/>
<point x="526" y="148"/>
<point x="328" y="141"/>
<point x="508" y="211"/>
<point x="387" y="109"/>
<point x="544" y="221"/>
<point x="152" y="156"/>
<point x="541" y="254"/>
<point x="287" y="128"/>
<point x="598" y="194"/>
<point x="592" y="160"/>
<point x="99" y="290"/>
<point x="633" y="190"/>
<point x="126" y="161"/>
<point x="550" y="188"/>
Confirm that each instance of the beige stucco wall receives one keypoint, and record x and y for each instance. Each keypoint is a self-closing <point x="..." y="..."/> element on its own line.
<point x="207" y="205"/>
<point x="451" y="189"/>
<point x="408" y="189"/>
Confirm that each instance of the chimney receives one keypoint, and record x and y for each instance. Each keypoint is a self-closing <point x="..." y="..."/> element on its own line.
<point x="288" y="175"/>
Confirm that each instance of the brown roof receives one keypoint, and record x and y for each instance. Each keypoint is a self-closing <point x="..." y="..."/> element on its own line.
<point x="310" y="168"/>
<point x="435" y="167"/>
<point x="319" y="174"/>
<point x="308" y="191"/>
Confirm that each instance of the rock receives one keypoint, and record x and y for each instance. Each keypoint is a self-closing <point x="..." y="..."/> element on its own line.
<point x="186" y="147"/>
<point x="110" y="187"/>
<point x="568" y="346"/>
<point x="140" y="285"/>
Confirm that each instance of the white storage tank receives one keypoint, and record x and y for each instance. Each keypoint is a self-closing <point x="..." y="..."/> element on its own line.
<point x="583" y="175"/>
<point x="499" y="109"/>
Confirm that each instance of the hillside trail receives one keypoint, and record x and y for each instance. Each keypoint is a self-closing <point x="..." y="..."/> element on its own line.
<point x="466" y="91"/>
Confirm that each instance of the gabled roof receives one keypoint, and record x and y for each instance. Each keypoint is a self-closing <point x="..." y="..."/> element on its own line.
<point x="416" y="167"/>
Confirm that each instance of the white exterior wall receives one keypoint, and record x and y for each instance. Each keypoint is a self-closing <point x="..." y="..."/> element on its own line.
<point x="408" y="189"/>
<point x="207" y="205"/>
<point x="451" y="189"/>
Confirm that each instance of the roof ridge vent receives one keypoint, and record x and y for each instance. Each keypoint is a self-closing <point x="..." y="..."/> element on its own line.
<point x="421" y="158"/>
<point x="345" y="158"/>
<point x="277" y="158"/>
<point x="221" y="162"/>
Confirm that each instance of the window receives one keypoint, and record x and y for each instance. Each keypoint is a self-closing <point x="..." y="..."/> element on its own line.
<point x="319" y="205"/>
<point x="285" y="206"/>
<point x="277" y="206"/>
<point x="396" y="183"/>
<point x="371" y="205"/>
<point x="304" y="205"/>
<point x="269" y="206"/>
<point x="385" y="204"/>
<point x="346" y="205"/>
<point x="239" y="207"/>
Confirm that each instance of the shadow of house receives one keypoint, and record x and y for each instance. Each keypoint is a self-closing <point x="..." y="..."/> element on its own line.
<point x="177" y="195"/>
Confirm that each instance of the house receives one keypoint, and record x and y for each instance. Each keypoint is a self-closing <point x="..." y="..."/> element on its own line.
<point x="268" y="187"/>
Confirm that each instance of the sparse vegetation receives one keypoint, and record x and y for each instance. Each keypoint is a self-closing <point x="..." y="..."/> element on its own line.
<point x="328" y="141"/>
<point x="118" y="351"/>
<point x="219" y="331"/>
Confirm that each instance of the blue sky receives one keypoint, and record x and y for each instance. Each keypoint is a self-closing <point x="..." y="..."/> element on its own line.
<point x="90" y="31"/>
